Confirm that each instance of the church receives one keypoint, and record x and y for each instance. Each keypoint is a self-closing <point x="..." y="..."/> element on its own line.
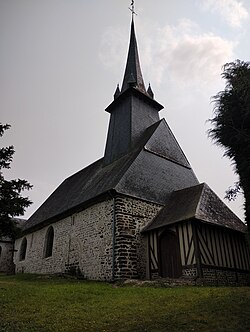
<point x="139" y="211"/>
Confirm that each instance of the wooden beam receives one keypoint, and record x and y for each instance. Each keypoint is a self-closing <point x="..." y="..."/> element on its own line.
<point x="197" y="250"/>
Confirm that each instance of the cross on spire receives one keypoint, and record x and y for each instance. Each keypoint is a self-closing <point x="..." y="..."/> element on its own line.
<point x="132" y="8"/>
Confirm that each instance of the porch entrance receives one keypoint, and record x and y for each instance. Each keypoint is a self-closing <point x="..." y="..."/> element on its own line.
<point x="170" y="259"/>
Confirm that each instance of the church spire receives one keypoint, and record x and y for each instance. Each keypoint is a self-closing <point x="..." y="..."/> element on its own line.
<point x="133" y="74"/>
<point x="133" y="109"/>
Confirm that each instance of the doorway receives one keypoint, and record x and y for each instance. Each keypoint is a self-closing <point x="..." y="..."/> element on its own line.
<point x="170" y="259"/>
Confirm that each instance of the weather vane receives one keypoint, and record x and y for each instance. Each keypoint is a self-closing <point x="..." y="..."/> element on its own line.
<point x="132" y="8"/>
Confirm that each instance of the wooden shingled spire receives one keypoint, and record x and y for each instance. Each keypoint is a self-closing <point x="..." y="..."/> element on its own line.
<point x="133" y="68"/>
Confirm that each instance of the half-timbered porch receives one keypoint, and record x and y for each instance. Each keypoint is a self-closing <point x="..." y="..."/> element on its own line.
<point x="193" y="238"/>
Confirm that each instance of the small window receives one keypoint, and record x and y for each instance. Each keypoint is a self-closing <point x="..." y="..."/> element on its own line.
<point x="23" y="249"/>
<point x="0" y="251"/>
<point x="49" y="240"/>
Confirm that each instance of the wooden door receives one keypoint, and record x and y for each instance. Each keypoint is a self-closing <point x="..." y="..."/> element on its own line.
<point x="170" y="259"/>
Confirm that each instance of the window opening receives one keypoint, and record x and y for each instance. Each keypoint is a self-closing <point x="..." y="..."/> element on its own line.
<point x="23" y="249"/>
<point x="49" y="240"/>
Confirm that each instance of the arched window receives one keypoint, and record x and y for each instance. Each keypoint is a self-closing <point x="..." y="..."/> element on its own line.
<point x="49" y="239"/>
<point x="23" y="249"/>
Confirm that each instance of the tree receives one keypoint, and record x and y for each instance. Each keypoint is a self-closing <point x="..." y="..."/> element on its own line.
<point x="231" y="125"/>
<point x="12" y="204"/>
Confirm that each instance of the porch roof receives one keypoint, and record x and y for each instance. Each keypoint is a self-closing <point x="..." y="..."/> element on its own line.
<point x="197" y="202"/>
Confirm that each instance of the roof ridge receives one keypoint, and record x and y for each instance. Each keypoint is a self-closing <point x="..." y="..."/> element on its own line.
<point x="171" y="132"/>
<point x="141" y="144"/>
<point x="164" y="144"/>
<point x="152" y="129"/>
<point x="199" y="201"/>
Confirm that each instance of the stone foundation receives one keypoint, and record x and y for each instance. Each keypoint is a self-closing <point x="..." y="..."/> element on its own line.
<point x="211" y="277"/>
<point x="190" y="273"/>
<point x="225" y="277"/>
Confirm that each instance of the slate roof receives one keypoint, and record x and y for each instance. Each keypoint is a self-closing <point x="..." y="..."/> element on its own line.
<point x="133" y="74"/>
<point x="148" y="172"/>
<point x="197" y="202"/>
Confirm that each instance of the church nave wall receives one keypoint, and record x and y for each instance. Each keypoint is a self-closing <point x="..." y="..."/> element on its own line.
<point x="82" y="244"/>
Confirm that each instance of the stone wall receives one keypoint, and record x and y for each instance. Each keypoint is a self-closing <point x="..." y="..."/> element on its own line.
<point x="6" y="256"/>
<point x="82" y="243"/>
<point x="130" y="245"/>
<point x="190" y="272"/>
<point x="225" y="277"/>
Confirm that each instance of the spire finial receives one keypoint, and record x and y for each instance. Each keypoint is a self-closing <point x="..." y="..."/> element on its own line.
<point x="117" y="91"/>
<point x="149" y="91"/>
<point x="133" y="64"/>
<point x="132" y="8"/>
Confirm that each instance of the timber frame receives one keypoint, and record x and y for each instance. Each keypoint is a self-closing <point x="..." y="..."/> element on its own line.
<point x="202" y="247"/>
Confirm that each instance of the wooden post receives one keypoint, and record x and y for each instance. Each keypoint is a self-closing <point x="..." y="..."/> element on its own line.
<point x="149" y="257"/>
<point x="197" y="249"/>
<point x="234" y="257"/>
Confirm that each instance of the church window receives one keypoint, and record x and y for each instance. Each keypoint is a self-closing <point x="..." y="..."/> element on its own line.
<point x="23" y="249"/>
<point x="49" y="240"/>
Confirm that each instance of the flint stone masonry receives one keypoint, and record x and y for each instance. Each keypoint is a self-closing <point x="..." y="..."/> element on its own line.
<point x="225" y="278"/>
<point x="6" y="256"/>
<point x="189" y="273"/>
<point x="130" y="248"/>
<point x="82" y="241"/>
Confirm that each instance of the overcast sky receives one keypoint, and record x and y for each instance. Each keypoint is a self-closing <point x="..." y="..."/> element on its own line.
<point x="60" y="62"/>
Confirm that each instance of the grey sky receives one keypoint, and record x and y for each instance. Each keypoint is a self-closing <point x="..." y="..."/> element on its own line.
<point x="60" y="61"/>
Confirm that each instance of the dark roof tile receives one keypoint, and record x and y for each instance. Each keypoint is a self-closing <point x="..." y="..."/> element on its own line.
<point x="140" y="173"/>
<point x="197" y="202"/>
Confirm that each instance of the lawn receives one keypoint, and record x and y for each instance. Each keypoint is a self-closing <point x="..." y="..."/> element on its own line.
<point x="35" y="303"/>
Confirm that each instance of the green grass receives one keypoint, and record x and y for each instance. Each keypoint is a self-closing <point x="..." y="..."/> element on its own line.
<point x="33" y="303"/>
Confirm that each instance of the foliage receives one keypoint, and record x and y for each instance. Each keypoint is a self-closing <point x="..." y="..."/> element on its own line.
<point x="231" y="125"/>
<point x="43" y="303"/>
<point x="232" y="192"/>
<point x="12" y="204"/>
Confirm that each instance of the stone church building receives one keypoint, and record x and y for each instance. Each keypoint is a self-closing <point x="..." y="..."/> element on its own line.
<point x="138" y="212"/>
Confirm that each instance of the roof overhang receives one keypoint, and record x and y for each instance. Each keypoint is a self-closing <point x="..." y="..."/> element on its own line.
<point x="133" y="91"/>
